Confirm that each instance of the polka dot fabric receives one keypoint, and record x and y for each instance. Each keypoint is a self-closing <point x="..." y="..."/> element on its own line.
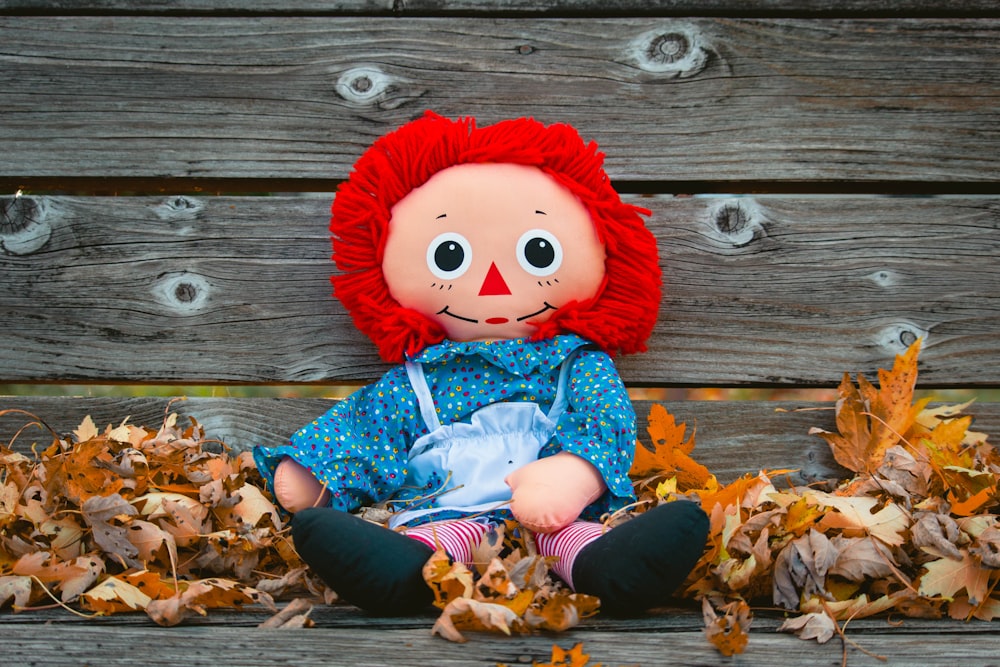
<point x="359" y="448"/>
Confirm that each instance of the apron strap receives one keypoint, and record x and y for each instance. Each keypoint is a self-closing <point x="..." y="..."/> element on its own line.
<point x="561" y="401"/>
<point x="415" y="371"/>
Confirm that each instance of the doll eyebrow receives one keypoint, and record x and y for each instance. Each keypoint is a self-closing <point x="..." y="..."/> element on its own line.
<point x="443" y="215"/>
<point x="541" y="212"/>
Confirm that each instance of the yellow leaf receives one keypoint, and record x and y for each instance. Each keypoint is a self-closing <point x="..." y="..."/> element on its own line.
<point x="86" y="430"/>
<point x="947" y="577"/>
<point x="854" y="516"/>
<point x="114" y="595"/>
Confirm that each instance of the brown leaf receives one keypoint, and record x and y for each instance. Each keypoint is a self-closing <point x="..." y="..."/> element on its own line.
<point x="16" y="588"/>
<point x="814" y="625"/>
<point x="860" y="558"/>
<point x="198" y="596"/>
<point x="801" y="567"/>
<point x="294" y="615"/>
<point x="869" y="420"/>
<point x="468" y="614"/>
<point x="98" y="512"/>
<point x="936" y="534"/>
<point x="728" y="633"/>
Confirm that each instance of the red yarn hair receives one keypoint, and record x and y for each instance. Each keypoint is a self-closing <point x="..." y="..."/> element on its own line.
<point x="618" y="319"/>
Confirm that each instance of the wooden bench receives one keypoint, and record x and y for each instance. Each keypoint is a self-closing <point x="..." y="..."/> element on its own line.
<point x="825" y="186"/>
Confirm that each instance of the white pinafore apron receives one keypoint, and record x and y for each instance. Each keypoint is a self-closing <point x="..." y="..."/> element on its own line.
<point x="499" y="439"/>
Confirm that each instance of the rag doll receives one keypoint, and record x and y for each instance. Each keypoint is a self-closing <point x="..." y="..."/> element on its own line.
<point x="500" y="271"/>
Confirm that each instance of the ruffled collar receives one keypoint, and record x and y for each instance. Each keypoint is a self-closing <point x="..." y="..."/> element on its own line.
<point x="516" y="355"/>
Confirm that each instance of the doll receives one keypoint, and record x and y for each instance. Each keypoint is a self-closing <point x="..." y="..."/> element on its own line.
<point x="500" y="271"/>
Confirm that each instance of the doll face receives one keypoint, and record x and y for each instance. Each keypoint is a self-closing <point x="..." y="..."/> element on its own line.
<point x="486" y="249"/>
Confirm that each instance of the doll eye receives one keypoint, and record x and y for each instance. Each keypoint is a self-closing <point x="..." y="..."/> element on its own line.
<point x="539" y="252"/>
<point x="449" y="255"/>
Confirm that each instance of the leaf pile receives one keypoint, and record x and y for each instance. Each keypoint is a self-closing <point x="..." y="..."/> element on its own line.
<point x="912" y="532"/>
<point x="168" y="522"/>
<point x="133" y="519"/>
<point x="514" y="594"/>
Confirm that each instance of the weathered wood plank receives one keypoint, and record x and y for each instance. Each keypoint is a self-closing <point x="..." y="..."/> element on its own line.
<point x="558" y="7"/>
<point x="771" y="290"/>
<point x="786" y="100"/>
<point x="733" y="437"/>
<point x="369" y="643"/>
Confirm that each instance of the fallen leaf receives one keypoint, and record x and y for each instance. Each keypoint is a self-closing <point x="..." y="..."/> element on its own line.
<point x="114" y="595"/>
<point x="855" y="515"/>
<point x="16" y="588"/>
<point x="946" y="577"/>
<point x="670" y="456"/>
<point x="728" y="633"/>
<point x="814" y="625"/>
<point x="468" y="614"/>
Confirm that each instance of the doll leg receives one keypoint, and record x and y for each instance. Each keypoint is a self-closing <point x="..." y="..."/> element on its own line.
<point x="372" y="567"/>
<point x="636" y="566"/>
<point x="457" y="538"/>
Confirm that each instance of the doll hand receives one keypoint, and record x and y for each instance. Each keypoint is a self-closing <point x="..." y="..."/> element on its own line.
<point x="296" y="489"/>
<point x="550" y="493"/>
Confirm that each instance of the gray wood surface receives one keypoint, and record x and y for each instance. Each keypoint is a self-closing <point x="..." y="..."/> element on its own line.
<point x="558" y="7"/>
<point x="343" y="637"/>
<point x="683" y="100"/>
<point x="767" y="290"/>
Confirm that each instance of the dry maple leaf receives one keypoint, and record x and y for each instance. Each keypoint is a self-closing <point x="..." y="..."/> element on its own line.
<point x="871" y="420"/>
<point x="728" y="632"/>
<point x="947" y="577"/>
<point x="670" y="456"/>
<point x="814" y="625"/>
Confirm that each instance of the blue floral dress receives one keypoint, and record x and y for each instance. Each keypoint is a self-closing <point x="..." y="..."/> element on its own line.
<point x="360" y="447"/>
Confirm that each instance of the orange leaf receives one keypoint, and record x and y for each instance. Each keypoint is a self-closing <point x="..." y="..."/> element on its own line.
<point x="894" y="404"/>
<point x="727" y="632"/>
<point x="575" y="657"/>
<point x="670" y="455"/>
<point x="869" y="420"/>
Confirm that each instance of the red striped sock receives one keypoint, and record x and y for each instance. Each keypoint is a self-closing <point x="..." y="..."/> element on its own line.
<point x="566" y="544"/>
<point x="457" y="537"/>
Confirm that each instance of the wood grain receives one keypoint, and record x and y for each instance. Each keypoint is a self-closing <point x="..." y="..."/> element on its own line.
<point x="765" y="291"/>
<point x="668" y="99"/>
<point x="550" y="7"/>
<point x="673" y="639"/>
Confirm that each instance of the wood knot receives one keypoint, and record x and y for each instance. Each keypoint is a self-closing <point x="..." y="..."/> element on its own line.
<point x="897" y="337"/>
<point x="24" y="227"/>
<point x="182" y="292"/>
<point x="737" y="221"/>
<point x="525" y="50"/>
<point x="363" y="85"/>
<point x="179" y="207"/>
<point x="675" y="51"/>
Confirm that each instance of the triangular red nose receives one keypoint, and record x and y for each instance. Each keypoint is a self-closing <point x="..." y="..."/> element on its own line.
<point x="494" y="284"/>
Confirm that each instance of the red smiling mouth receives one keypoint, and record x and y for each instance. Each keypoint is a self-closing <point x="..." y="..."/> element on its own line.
<point x="497" y="320"/>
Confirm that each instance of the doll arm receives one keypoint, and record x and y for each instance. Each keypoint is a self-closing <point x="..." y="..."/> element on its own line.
<point x="296" y="488"/>
<point x="550" y="493"/>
